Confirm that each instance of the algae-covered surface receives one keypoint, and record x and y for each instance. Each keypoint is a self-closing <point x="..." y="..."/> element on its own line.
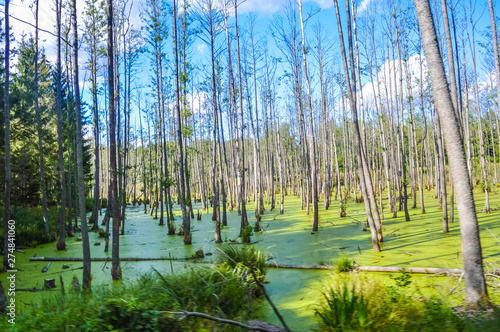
<point x="287" y="239"/>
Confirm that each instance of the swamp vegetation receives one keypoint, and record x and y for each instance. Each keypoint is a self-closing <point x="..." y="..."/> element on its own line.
<point x="180" y="165"/>
<point x="410" y="302"/>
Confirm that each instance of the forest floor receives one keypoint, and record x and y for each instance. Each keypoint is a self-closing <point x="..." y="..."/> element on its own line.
<point x="287" y="239"/>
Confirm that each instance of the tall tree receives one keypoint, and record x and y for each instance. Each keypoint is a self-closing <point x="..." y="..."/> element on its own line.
<point x="312" y="146"/>
<point x="186" y="221"/>
<point x="241" y="166"/>
<point x="6" y="200"/>
<point x="61" y="243"/>
<point x="39" y="129"/>
<point x="364" y="174"/>
<point x="87" y="279"/>
<point x="116" y="271"/>
<point x="6" y="112"/>
<point x="475" y="286"/>
<point x="496" y="50"/>
<point x="94" y="26"/>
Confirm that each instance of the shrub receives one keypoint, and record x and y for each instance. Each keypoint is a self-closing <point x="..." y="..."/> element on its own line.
<point x="344" y="263"/>
<point x="104" y="203"/>
<point x="243" y="258"/>
<point x="246" y="234"/>
<point x="354" y="303"/>
<point x="30" y="230"/>
<point x="89" y="204"/>
<point x="343" y="207"/>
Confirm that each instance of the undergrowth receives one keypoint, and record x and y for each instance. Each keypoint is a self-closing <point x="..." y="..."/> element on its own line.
<point x="144" y="306"/>
<point x="244" y="258"/>
<point x="352" y="302"/>
<point x="30" y="230"/>
<point x="344" y="263"/>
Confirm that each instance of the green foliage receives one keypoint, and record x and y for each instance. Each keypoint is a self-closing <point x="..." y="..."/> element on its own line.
<point x="243" y="259"/>
<point x="346" y="307"/>
<point x="102" y="233"/>
<point x="403" y="279"/>
<point x="25" y="156"/>
<point x="354" y="303"/>
<point x="104" y="203"/>
<point x="344" y="264"/>
<point x="343" y="207"/>
<point x="246" y="234"/>
<point x="187" y="131"/>
<point x="29" y="225"/>
<point x="89" y="204"/>
<point x="217" y="291"/>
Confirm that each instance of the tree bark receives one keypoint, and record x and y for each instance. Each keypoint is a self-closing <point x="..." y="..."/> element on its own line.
<point x="475" y="286"/>
<point x="61" y="243"/>
<point x="116" y="271"/>
<point x="86" y="279"/>
<point x="312" y="146"/>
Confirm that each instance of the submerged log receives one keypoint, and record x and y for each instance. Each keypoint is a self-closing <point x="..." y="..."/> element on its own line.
<point x="392" y="269"/>
<point x="106" y="259"/>
<point x="421" y="270"/>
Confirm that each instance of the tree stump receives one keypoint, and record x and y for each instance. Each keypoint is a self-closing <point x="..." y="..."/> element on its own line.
<point x="198" y="217"/>
<point x="49" y="283"/>
<point x="75" y="284"/>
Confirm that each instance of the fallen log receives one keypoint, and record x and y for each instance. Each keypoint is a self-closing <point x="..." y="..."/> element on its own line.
<point x="106" y="259"/>
<point x="300" y="267"/>
<point x="421" y="270"/>
<point x="392" y="269"/>
<point x="255" y="325"/>
<point x="32" y="290"/>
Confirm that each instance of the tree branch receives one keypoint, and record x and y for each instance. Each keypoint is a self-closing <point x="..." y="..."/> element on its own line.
<point x="217" y="319"/>
<point x="40" y="29"/>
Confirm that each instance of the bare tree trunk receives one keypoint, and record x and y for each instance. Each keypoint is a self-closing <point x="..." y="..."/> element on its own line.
<point x="312" y="146"/>
<point x="39" y="129"/>
<point x="496" y="49"/>
<point x="241" y="166"/>
<point x="116" y="271"/>
<point x="7" y="184"/>
<point x="186" y="221"/>
<point x="364" y="176"/>
<point x="475" y="286"/>
<point x="61" y="243"/>
<point x="86" y="279"/>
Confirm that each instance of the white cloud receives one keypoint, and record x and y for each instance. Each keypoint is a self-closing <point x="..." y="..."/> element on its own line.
<point x="363" y="6"/>
<point x="201" y="47"/>
<point x="387" y="72"/>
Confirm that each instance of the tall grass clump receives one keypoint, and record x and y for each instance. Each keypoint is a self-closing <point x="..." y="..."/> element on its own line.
<point x="354" y="303"/>
<point x="243" y="259"/>
<point x="344" y="264"/>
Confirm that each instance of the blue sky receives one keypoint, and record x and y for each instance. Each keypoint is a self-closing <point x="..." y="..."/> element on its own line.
<point x="266" y="10"/>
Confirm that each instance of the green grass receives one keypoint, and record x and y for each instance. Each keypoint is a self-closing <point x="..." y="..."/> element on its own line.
<point x="356" y="303"/>
<point x="244" y="258"/>
<point x="344" y="264"/>
<point x="217" y="291"/>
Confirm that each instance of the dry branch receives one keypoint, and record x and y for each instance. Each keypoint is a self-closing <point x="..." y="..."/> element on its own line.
<point x="257" y="326"/>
